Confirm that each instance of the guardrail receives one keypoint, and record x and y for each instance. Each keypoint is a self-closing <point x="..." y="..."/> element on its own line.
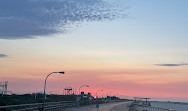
<point x="48" y="106"/>
<point x="51" y="106"/>
<point x="136" y="107"/>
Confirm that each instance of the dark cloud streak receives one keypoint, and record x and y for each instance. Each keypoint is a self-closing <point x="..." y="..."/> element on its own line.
<point x="3" y="56"/>
<point x="29" y="18"/>
<point x="173" y="65"/>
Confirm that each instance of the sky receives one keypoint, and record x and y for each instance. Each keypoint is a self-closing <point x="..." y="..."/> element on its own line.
<point x="127" y="47"/>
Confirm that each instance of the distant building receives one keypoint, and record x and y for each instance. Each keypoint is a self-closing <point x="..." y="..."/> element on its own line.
<point x="1" y="91"/>
<point x="86" y="96"/>
<point x="4" y="87"/>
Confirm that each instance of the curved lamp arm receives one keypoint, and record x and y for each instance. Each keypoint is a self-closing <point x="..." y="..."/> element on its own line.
<point x="46" y="81"/>
<point x="97" y="92"/>
<point x="82" y="86"/>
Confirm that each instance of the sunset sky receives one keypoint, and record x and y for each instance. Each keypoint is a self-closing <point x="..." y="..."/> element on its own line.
<point x="128" y="47"/>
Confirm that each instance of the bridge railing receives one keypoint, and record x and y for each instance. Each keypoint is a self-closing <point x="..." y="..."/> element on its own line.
<point x="48" y="106"/>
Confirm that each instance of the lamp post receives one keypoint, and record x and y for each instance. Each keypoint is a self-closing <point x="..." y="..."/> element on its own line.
<point x="97" y="92"/>
<point x="46" y="80"/>
<point x="110" y="93"/>
<point x="110" y="96"/>
<point x="81" y="87"/>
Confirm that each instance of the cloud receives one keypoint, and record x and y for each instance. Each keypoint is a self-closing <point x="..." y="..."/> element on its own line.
<point x="3" y="56"/>
<point x="171" y="64"/>
<point x="30" y="18"/>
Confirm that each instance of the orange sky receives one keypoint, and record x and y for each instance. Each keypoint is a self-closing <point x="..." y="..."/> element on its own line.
<point x="144" y="82"/>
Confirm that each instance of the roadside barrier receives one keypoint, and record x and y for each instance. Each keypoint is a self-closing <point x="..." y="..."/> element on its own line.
<point x="136" y="107"/>
<point x="48" y="106"/>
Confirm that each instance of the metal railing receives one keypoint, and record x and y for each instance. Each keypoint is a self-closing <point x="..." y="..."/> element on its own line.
<point x="136" y="107"/>
<point x="48" y="106"/>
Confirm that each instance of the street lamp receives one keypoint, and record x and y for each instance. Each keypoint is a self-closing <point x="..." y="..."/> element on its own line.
<point x="46" y="80"/>
<point x="110" y="93"/>
<point x="110" y="96"/>
<point x="81" y="87"/>
<point x="97" y="92"/>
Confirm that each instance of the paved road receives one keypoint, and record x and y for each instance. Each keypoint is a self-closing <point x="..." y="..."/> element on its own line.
<point x="120" y="106"/>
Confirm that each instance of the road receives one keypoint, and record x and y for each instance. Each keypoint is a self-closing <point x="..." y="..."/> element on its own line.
<point x="120" y="106"/>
